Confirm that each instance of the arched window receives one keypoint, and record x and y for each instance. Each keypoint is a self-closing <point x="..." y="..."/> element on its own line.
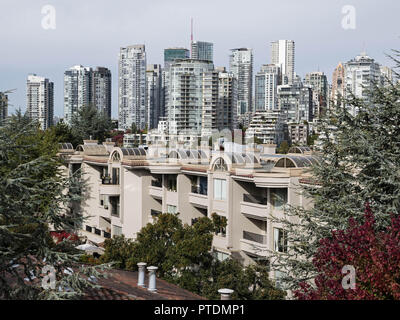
<point x="220" y="165"/>
<point x="116" y="157"/>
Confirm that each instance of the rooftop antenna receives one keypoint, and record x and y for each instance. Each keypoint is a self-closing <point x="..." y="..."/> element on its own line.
<point x="364" y="52"/>
<point x="191" y="35"/>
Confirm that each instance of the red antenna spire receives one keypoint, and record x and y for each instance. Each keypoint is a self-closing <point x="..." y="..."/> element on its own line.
<point x="191" y="35"/>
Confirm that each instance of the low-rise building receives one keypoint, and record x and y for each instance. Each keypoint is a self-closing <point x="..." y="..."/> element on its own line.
<point x="129" y="187"/>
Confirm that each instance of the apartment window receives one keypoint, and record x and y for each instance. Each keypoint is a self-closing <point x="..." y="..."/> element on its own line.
<point x="171" y="209"/>
<point x="171" y="182"/>
<point x="117" y="231"/>
<point x="220" y="256"/>
<point x="154" y="213"/>
<point x="280" y="240"/>
<point x="89" y="229"/>
<point x="115" y="176"/>
<point x="157" y="182"/>
<point x="279" y="275"/>
<point x="219" y="189"/>
<point x="279" y="197"/>
<point x="199" y="185"/>
<point x="114" y="201"/>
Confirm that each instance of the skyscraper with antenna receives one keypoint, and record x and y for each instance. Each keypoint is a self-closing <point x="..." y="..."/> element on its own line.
<point x="200" y="50"/>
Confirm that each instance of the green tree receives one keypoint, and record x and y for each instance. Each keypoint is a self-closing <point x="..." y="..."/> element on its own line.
<point x="183" y="255"/>
<point x="358" y="162"/>
<point x="89" y="122"/>
<point x="63" y="133"/>
<point x="283" y="147"/>
<point x="36" y="195"/>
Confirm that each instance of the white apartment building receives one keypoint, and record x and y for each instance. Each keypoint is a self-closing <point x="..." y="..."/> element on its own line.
<point x="283" y="56"/>
<point x="84" y="86"/>
<point x="318" y="82"/>
<point x="268" y="126"/>
<point x="298" y="133"/>
<point x="227" y="100"/>
<point x="241" y="65"/>
<point x="361" y="73"/>
<point x="132" y="106"/>
<point x="77" y="90"/>
<point x="185" y="97"/>
<point x="296" y="102"/>
<point x="129" y="187"/>
<point x="40" y="100"/>
<point x="266" y="84"/>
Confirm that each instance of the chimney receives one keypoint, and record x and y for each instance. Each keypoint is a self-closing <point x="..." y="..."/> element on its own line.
<point x="142" y="269"/>
<point x="225" y="294"/>
<point x="152" y="278"/>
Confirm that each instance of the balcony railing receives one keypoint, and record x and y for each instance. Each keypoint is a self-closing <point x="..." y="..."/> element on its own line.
<point x="255" y="199"/>
<point x="107" y="180"/>
<point x="255" y="237"/>
<point x="199" y="190"/>
<point x="156" y="183"/>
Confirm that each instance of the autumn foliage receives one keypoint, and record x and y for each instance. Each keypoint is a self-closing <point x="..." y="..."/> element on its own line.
<point x="375" y="255"/>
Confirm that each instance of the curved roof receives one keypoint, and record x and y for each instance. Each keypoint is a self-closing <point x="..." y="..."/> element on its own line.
<point x="299" y="150"/>
<point x="66" y="146"/>
<point x="290" y="161"/>
<point x="133" y="151"/>
<point x="92" y="149"/>
<point x="187" y="154"/>
<point x="241" y="158"/>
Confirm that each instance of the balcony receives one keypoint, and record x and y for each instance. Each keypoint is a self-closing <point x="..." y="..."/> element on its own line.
<point x="198" y="200"/>
<point x="110" y="189"/>
<point x="156" y="192"/>
<point x="255" y="207"/>
<point x="254" y="244"/>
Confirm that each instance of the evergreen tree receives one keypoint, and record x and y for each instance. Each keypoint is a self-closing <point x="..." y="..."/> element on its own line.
<point x="358" y="162"/>
<point x="89" y="122"/>
<point x="36" y="196"/>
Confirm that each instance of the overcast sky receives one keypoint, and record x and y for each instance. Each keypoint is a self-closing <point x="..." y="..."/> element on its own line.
<point x="90" y="33"/>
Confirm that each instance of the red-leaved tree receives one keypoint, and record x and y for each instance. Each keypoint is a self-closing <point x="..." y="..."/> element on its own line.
<point x="374" y="254"/>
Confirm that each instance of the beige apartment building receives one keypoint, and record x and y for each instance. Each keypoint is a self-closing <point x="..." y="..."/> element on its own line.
<point x="129" y="187"/>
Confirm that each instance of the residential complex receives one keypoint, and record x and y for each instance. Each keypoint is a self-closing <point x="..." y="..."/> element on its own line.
<point x="101" y="90"/>
<point x="129" y="187"/>
<point x="361" y="74"/>
<point x="268" y="127"/>
<point x="266" y="84"/>
<point x="296" y="102"/>
<point x="40" y="100"/>
<point x="77" y="90"/>
<point x="132" y="102"/>
<point x="318" y="82"/>
<point x="283" y="56"/>
<point x="227" y="100"/>
<point x="184" y="106"/>
<point x="241" y="65"/>
<point x="154" y="94"/>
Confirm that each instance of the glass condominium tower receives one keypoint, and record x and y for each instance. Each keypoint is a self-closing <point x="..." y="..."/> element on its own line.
<point x="202" y="50"/>
<point x="132" y="102"/>
<point x="241" y="65"/>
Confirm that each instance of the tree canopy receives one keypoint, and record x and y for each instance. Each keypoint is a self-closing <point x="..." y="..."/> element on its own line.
<point x="36" y="196"/>
<point x="183" y="255"/>
<point x="358" y="162"/>
<point x="89" y="122"/>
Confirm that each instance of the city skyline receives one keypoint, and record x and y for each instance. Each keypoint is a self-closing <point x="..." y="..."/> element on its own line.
<point x="314" y="49"/>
